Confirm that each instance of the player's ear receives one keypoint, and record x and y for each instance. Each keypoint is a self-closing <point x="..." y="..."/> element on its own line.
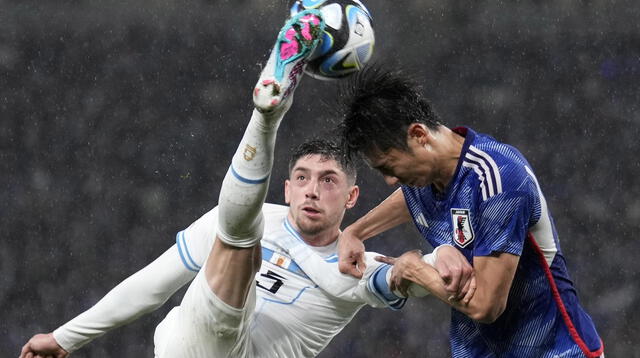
<point x="352" y="197"/>
<point x="286" y="191"/>
<point x="419" y="133"/>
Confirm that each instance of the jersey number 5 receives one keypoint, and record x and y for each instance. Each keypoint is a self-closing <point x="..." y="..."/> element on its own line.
<point x="277" y="281"/>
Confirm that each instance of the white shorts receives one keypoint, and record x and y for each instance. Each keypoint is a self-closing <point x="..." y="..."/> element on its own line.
<point x="205" y="326"/>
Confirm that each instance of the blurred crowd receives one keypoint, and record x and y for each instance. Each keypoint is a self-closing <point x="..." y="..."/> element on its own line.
<point x="118" y="121"/>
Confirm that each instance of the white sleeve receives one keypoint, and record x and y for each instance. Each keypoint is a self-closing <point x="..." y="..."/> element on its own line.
<point x="379" y="281"/>
<point x="147" y="289"/>
<point x="142" y="292"/>
<point x="328" y="277"/>
<point x="372" y="289"/>
<point x="195" y="242"/>
<point x="375" y="279"/>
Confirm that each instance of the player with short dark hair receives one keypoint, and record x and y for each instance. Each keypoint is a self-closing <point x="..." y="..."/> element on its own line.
<point x="327" y="150"/>
<point x="388" y="116"/>
<point x="466" y="189"/>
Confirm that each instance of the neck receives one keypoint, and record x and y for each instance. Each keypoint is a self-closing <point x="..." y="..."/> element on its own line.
<point x="452" y="144"/>
<point x="322" y="238"/>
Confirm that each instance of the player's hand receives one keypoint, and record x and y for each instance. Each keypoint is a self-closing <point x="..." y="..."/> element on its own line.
<point x="351" y="254"/>
<point x="407" y="262"/>
<point x="456" y="272"/>
<point x="470" y="292"/>
<point x="43" y="346"/>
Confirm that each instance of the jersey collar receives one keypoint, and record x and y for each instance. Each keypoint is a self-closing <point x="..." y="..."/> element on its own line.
<point x="332" y="256"/>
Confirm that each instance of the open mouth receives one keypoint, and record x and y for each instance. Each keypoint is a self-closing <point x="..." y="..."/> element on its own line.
<point x="311" y="211"/>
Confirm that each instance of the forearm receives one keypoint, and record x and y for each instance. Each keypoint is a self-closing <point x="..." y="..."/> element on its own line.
<point x="142" y="292"/>
<point x="389" y="213"/>
<point x="494" y="276"/>
<point x="423" y="274"/>
<point x="493" y="279"/>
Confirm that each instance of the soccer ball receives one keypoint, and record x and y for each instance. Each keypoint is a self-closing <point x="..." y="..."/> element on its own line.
<point x="347" y="41"/>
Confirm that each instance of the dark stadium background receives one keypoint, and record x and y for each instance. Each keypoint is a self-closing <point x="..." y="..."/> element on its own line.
<point x="118" y="120"/>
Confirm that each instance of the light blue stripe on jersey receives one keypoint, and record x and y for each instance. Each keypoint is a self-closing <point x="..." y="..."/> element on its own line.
<point x="247" y="180"/>
<point x="292" y="231"/>
<point x="293" y="300"/>
<point x="186" y="258"/>
<point x="267" y="254"/>
<point x="379" y="282"/>
<point x="378" y="286"/>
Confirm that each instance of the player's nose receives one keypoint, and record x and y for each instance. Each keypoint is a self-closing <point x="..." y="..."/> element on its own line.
<point x="312" y="190"/>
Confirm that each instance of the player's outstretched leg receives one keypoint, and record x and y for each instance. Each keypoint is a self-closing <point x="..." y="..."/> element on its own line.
<point x="214" y="316"/>
<point x="245" y="185"/>
<point x="296" y="41"/>
<point x="235" y="256"/>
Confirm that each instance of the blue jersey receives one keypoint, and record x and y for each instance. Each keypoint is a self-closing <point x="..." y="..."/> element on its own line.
<point x="494" y="204"/>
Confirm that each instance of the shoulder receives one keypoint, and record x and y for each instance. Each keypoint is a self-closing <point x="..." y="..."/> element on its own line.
<point x="486" y="149"/>
<point x="498" y="167"/>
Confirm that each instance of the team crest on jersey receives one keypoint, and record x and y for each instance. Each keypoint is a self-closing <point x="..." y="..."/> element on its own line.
<point x="462" y="229"/>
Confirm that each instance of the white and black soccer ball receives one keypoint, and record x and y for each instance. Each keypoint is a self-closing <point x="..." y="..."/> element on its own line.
<point x="347" y="41"/>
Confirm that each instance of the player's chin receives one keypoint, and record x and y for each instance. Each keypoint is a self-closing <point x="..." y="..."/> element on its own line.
<point x="311" y="227"/>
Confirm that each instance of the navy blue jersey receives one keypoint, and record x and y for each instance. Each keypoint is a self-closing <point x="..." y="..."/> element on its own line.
<point x="494" y="204"/>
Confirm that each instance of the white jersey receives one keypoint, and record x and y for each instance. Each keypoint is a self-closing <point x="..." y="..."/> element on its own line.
<point x="300" y="313"/>
<point x="302" y="300"/>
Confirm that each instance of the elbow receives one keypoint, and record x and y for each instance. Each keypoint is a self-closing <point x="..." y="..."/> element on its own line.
<point x="488" y="314"/>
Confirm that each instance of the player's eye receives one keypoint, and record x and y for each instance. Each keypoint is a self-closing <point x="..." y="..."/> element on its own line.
<point x="300" y="177"/>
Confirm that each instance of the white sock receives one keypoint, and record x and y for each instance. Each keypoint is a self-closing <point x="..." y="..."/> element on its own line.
<point x="245" y="185"/>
